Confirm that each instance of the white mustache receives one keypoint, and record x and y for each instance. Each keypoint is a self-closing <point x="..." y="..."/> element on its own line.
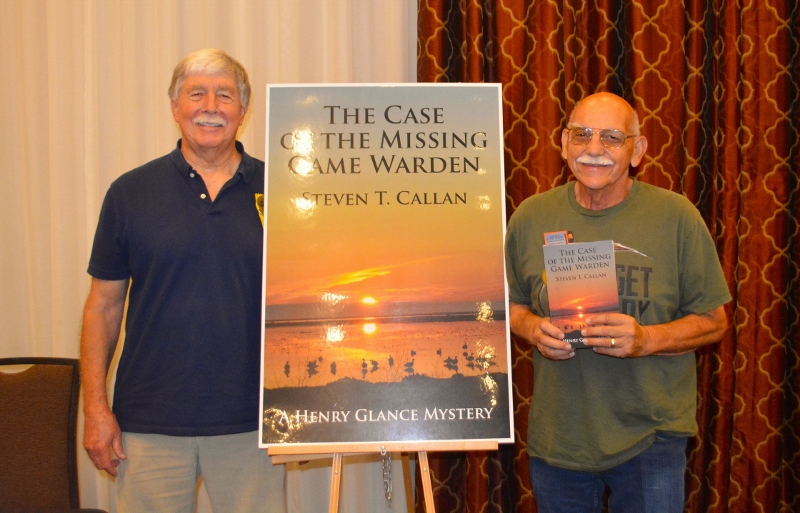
<point x="589" y="160"/>
<point x="209" y="120"/>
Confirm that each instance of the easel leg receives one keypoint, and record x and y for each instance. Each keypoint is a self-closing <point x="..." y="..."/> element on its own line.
<point x="336" y="478"/>
<point x="426" y="481"/>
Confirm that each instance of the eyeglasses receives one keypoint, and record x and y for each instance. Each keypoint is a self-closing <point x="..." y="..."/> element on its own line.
<point x="610" y="138"/>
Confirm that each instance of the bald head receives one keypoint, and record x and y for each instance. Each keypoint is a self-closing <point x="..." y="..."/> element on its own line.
<point x="609" y="102"/>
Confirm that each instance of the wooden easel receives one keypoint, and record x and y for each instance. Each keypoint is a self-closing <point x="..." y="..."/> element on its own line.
<point x="296" y="452"/>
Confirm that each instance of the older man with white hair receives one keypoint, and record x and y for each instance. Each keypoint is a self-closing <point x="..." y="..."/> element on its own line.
<point x="181" y="237"/>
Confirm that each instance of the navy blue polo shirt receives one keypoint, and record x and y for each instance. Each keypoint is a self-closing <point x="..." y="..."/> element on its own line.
<point x="191" y="361"/>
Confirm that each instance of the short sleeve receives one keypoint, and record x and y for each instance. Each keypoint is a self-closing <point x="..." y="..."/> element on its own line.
<point x="703" y="286"/>
<point x="518" y="289"/>
<point x="109" y="258"/>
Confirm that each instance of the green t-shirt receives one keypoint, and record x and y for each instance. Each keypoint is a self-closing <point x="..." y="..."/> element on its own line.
<point x="593" y="412"/>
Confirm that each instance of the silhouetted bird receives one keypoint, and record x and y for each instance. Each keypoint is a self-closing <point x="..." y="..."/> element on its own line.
<point x="287" y="368"/>
<point x="333" y="368"/>
<point x="410" y="367"/>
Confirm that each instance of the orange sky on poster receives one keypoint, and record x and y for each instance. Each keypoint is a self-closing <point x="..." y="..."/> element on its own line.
<point x="385" y="266"/>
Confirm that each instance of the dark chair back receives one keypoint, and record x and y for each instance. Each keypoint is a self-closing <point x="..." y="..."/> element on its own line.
<point x="38" y="422"/>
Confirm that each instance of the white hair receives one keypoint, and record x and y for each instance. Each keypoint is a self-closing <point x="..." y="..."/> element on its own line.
<point x="210" y="61"/>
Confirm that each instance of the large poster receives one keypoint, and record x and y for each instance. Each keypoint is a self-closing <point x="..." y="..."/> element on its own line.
<point x="384" y="284"/>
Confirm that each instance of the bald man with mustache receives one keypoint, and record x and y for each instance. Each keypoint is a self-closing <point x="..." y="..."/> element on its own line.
<point x="615" y="411"/>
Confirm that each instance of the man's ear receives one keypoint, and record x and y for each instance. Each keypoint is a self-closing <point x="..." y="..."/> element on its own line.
<point x="174" y="106"/>
<point x="564" y="141"/>
<point x="639" y="147"/>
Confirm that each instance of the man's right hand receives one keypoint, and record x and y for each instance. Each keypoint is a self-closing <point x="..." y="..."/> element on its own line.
<point x="102" y="318"/>
<point x="540" y="332"/>
<point x="546" y="338"/>
<point x="101" y="438"/>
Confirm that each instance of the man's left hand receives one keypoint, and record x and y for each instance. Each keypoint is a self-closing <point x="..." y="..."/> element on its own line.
<point x="615" y="334"/>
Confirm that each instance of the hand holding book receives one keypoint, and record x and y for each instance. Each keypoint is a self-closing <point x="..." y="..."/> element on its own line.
<point x="581" y="280"/>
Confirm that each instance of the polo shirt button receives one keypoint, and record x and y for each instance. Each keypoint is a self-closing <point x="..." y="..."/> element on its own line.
<point x="203" y="196"/>
<point x="191" y="175"/>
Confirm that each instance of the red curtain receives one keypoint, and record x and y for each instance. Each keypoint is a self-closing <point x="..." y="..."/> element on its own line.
<point x="717" y="88"/>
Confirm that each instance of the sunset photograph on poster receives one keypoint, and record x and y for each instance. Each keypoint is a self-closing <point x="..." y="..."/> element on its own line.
<point x="384" y="284"/>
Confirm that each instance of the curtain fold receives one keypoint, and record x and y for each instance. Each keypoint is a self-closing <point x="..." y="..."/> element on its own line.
<point x="717" y="89"/>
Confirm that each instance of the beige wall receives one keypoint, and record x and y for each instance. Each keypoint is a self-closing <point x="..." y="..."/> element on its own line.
<point x="84" y="84"/>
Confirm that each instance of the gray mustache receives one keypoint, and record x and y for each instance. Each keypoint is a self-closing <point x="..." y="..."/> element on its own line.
<point x="209" y="120"/>
<point x="594" y="161"/>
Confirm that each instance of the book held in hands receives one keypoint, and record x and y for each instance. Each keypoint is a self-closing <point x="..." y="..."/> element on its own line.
<point x="581" y="280"/>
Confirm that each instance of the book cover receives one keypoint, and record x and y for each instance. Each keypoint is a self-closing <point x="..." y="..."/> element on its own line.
<point x="581" y="280"/>
<point x="385" y="295"/>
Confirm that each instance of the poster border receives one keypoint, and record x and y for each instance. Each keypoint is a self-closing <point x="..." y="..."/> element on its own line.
<point x="397" y="445"/>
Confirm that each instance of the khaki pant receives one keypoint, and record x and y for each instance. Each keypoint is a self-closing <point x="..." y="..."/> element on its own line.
<point x="161" y="473"/>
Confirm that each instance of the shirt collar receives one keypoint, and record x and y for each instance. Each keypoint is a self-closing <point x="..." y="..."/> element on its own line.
<point x="246" y="166"/>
